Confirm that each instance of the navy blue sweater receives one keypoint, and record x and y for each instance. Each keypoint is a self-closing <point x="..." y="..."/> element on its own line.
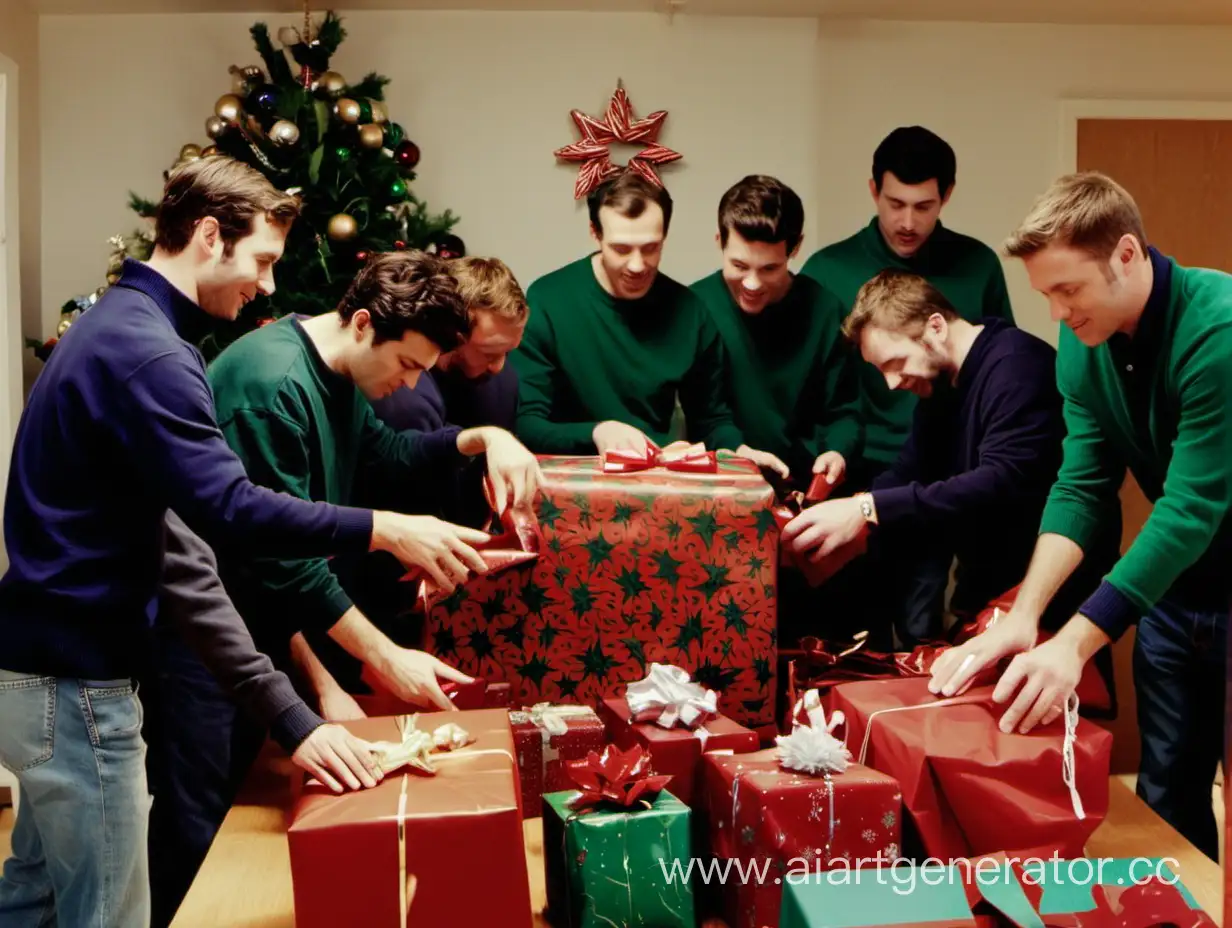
<point x="120" y="427"/>
<point x="443" y="398"/>
<point x="977" y="467"/>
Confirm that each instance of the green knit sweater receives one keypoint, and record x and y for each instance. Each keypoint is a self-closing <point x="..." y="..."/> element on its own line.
<point x="964" y="269"/>
<point x="797" y="380"/>
<point x="300" y="428"/>
<point x="587" y="357"/>
<point x="1163" y="408"/>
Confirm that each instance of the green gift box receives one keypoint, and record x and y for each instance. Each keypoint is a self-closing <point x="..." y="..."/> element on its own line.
<point x="617" y="867"/>
<point x="931" y="896"/>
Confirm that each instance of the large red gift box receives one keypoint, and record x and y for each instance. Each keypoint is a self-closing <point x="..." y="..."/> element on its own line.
<point x="477" y="694"/>
<point x="547" y="737"/>
<point x="676" y="751"/>
<point x="354" y="854"/>
<point x="968" y="788"/>
<point x="652" y="565"/>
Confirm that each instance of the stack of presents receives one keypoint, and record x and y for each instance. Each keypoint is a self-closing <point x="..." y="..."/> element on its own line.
<point x="630" y="695"/>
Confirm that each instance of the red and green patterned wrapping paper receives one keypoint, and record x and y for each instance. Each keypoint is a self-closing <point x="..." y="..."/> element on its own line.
<point x="658" y="565"/>
<point x="676" y="751"/>
<point x="542" y="755"/>
<point x="777" y="822"/>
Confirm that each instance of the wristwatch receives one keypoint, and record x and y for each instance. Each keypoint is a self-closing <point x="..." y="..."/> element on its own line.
<point x="867" y="507"/>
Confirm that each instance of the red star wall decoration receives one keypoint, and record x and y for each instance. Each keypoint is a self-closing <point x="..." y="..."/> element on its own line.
<point x="618" y="125"/>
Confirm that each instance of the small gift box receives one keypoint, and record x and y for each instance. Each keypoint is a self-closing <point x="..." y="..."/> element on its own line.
<point x="618" y="850"/>
<point x="932" y="896"/>
<point x="450" y="782"/>
<point x="676" y="721"/>
<point x="970" y="789"/>
<point x="799" y="808"/>
<point x="547" y="737"/>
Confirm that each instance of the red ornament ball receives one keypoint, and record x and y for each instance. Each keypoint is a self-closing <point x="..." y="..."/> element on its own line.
<point x="407" y="154"/>
<point x="399" y="245"/>
<point x="361" y="256"/>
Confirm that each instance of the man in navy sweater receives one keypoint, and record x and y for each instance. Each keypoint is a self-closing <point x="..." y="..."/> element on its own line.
<point x="118" y="429"/>
<point x="981" y="457"/>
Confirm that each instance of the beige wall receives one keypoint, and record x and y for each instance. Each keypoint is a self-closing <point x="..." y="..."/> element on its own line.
<point x="486" y="96"/>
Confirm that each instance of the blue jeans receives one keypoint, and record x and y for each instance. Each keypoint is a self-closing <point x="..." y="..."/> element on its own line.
<point x="1179" y="677"/>
<point x="79" y="843"/>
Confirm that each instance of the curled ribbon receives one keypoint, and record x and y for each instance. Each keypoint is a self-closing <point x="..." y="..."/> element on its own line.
<point x="812" y="747"/>
<point x="417" y="746"/>
<point x="549" y="719"/>
<point x="615" y="777"/>
<point x="667" y="696"/>
<point x="694" y="459"/>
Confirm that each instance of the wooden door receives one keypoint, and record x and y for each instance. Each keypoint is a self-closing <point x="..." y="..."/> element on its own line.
<point x="1176" y="170"/>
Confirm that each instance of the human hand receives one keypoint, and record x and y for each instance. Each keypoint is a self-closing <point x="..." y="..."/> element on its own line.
<point x="514" y="471"/>
<point x="334" y="756"/>
<point x="412" y="676"/>
<point x="617" y="436"/>
<point x="443" y="550"/>
<point x="1044" y="678"/>
<point x="956" y="667"/>
<point x="764" y="459"/>
<point x="824" y="528"/>
<point x="832" y="464"/>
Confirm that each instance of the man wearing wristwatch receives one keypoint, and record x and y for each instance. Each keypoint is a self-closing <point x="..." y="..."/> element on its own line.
<point x="977" y="466"/>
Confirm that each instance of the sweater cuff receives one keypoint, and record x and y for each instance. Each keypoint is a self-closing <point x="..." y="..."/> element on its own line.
<point x="894" y="504"/>
<point x="354" y="529"/>
<point x="441" y="446"/>
<point x="295" y="724"/>
<point x="1110" y="610"/>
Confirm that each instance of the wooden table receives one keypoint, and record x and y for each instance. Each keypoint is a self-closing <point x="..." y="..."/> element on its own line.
<point x="246" y="880"/>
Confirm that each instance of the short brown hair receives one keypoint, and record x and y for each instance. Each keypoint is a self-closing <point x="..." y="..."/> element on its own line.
<point x="409" y="291"/>
<point x="218" y="186"/>
<point x="1088" y="211"/>
<point x="488" y="284"/>
<point x="762" y="209"/>
<point x="897" y="301"/>
<point x="629" y="193"/>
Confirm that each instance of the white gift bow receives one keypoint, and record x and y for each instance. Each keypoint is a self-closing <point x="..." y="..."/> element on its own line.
<point x="670" y="689"/>
<point x="812" y="747"/>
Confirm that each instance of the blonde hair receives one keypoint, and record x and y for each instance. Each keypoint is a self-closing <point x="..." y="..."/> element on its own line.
<point x="897" y="301"/>
<point x="1088" y="211"/>
<point x="488" y="284"/>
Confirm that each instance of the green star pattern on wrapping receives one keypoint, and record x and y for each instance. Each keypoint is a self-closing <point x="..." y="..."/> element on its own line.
<point x="549" y="512"/>
<point x="534" y="596"/>
<point x="716" y="579"/>
<point x="584" y="516"/>
<point x="667" y="567"/>
<point x="764" y="522"/>
<point x="561" y="574"/>
<point x="655" y="618"/>
<point x="535" y="670"/>
<point x="624" y="513"/>
<point x="583" y="599"/>
<point x="755" y="566"/>
<point x="515" y="634"/>
<point x="444" y="642"/>
<point x="637" y="650"/>
<point x="481" y="643"/>
<point x="761" y="669"/>
<point x="600" y="550"/>
<point x="548" y="634"/>
<point x="595" y="663"/>
<point x="733" y="615"/>
<point x="556" y="545"/>
<point x="706" y="526"/>
<point x="568" y="687"/>
<point x="690" y="630"/>
<point x="673" y="529"/>
<point x="453" y="602"/>
<point x="732" y="539"/>
<point x="493" y="608"/>
<point x="714" y="677"/>
<point x="631" y="582"/>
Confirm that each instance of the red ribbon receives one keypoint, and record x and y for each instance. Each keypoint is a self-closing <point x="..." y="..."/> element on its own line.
<point x="615" y="777"/>
<point x="694" y="459"/>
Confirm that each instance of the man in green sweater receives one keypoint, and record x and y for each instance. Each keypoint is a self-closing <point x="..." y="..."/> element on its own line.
<point x="798" y="387"/>
<point x="611" y="342"/>
<point x="1143" y="368"/>
<point x="913" y="178"/>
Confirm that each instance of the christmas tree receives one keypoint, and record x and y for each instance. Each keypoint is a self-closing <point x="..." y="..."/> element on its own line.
<point x="333" y="143"/>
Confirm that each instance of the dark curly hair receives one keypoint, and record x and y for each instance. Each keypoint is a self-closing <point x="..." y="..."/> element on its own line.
<point x="409" y="291"/>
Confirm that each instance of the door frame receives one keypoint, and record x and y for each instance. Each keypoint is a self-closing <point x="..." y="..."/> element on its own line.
<point x="1082" y="108"/>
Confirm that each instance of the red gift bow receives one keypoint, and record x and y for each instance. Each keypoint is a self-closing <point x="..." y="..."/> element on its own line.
<point x="615" y="777"/>
<point x="694" y="459"/>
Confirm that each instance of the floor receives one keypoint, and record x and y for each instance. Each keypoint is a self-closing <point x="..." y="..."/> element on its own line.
<point x="1130" y="780"/>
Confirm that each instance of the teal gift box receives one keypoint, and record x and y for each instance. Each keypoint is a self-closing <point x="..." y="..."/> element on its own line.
<point x="929" y="896"/>
<point x="607" y="866"/>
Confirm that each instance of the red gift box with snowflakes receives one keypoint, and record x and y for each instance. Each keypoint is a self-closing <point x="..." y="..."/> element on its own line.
<point x="769" y="824"/>
<point x="638" y="565"/>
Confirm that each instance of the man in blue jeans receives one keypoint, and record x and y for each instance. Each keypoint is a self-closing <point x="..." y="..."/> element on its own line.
<point x="1143" y="367"/>
<point x="118" y="429"/>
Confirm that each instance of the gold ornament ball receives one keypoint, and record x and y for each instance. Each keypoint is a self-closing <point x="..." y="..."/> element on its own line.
<point x="215" y="126"/>
<point x="190" y="152"/>
<point x="331" y="83"/>
<point x="63" y="327"/>
<point x="348" y="110"/>
<point x="379" y="113"/>
<point x="284" y="132"/>
<point x="228" y="108"/>
<point x="209" y="150"/>
<point x="343" y="227"/>
<point x="371" y="135"/>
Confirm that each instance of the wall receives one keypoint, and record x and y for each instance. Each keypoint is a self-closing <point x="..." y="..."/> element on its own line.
<point x="485" y="95"/>
<point x="993" y="92"/>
